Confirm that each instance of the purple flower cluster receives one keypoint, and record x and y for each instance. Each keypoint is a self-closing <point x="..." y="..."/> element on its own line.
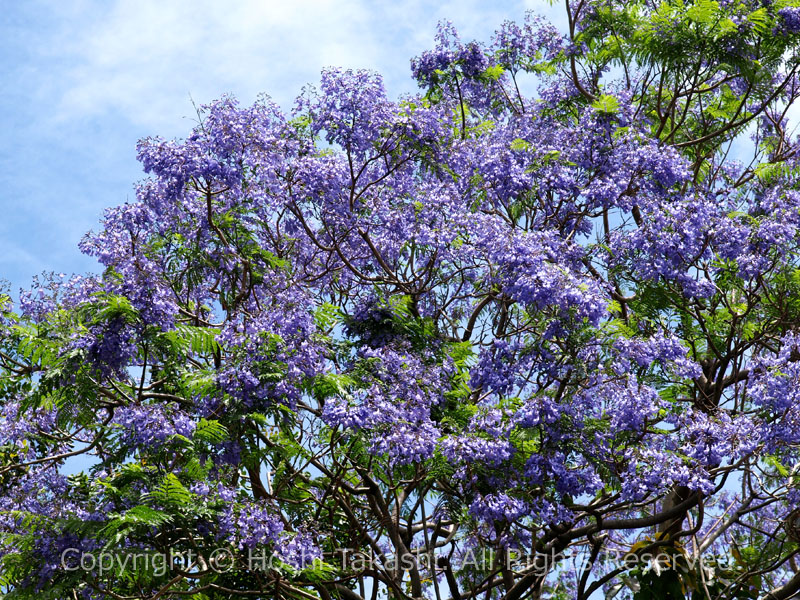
<point x="498" y="507"/>
<point x="249" y="525"/>
<point x="299" y="550"/>
<point x="518" y="46"/>
<point x="790" y="16"/>
<point x="151" y="425"/>
<point x="108" y="346"/>
<point x="396" y="406"/>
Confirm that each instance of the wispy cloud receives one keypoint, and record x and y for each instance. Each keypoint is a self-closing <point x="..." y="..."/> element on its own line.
<point x="141" y="59"/>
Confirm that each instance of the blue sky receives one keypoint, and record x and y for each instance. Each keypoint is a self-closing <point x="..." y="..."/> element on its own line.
<point x="83" y="80"/>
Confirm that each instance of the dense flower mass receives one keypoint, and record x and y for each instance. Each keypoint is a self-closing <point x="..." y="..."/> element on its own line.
<point x="536" y="309"/>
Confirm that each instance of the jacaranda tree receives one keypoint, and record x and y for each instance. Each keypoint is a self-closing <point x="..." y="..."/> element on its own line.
<point x="533" y="332"/>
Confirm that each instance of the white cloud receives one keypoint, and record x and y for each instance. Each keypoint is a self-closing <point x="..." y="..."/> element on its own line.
<point x="144" y="58"/>
<point x="141" y="59"/>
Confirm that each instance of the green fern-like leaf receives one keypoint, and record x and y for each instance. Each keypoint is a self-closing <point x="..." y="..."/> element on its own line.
<point x="172" y="492"/>
<point x="210" y="430"/>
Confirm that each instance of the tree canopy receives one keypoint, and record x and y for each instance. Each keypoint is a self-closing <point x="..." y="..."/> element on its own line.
<point x="533" y="332"/>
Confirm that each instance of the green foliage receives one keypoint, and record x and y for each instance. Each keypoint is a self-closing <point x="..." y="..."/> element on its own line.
<point x="171" y="492"/>
<point x="606" y="104"/>
<point x="135" y="519"/>
<point x="210" y="430"/>
<point x="186" y="339"/>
